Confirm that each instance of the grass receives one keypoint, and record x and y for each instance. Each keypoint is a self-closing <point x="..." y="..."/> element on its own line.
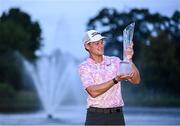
<point x="22" y="101"/>
<point x="138" y="96"/>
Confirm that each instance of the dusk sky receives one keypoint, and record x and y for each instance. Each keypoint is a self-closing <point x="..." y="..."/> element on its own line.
<point x="63" y="22"/>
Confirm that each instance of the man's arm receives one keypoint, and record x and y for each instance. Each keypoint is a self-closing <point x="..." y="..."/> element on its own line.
<point x="135" y="79"/>
<point x="96" y="90"/>
<point x="92" y="89"/>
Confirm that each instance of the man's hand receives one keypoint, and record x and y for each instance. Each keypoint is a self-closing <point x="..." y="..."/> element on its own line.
<point x="129" y="52"/>
<point x="122" y="77"/>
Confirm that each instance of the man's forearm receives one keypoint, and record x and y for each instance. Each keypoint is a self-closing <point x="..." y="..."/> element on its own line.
<point x="136" y="78"/>
<point x="96" y="90"/>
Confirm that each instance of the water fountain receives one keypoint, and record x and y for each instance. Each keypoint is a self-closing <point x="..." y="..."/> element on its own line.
<point x="56" y="80"/>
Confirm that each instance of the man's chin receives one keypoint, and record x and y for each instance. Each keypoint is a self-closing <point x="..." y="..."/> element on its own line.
<point x="101" y="53"/>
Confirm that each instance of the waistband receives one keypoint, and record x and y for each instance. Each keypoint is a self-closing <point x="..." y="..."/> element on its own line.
<point x="105" y="110"/>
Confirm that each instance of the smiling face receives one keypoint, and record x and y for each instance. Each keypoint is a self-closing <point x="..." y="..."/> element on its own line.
<point x="95" y="48"/>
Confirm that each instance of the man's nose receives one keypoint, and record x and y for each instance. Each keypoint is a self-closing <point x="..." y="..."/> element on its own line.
<point x="100" y="44"/>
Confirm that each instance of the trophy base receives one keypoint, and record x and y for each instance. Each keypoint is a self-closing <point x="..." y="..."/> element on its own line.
<point x="125" y="67"/>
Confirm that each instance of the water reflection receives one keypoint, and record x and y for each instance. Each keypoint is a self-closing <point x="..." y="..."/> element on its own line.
<point x="71" y="115"/>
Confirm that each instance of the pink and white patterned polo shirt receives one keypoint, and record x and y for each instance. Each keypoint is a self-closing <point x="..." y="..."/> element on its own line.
<point x="92" y="73"/>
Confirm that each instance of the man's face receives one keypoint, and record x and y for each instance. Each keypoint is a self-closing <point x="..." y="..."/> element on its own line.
<point x="96" y="48"/>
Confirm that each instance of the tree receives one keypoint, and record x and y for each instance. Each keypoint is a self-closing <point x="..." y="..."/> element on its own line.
<point x="159" y="65"/>
<point x="18" y="33"/>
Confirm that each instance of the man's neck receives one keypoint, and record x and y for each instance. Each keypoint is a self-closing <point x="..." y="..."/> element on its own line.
<point x="97" y="59"/>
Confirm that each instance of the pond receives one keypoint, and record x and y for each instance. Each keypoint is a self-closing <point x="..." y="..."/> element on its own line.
<point x="69" y="115"/>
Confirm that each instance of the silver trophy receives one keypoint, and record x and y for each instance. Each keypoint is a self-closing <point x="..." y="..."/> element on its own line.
<point x="125" y="65"/>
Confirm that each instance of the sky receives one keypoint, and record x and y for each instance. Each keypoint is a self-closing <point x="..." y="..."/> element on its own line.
<point x="63" y="22"/>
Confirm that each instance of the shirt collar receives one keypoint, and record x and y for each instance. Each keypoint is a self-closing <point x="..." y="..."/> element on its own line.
<point x="91" y="61"/>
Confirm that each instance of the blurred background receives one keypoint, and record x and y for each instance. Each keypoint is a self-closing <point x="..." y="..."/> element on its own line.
<point x="41" y="47"/>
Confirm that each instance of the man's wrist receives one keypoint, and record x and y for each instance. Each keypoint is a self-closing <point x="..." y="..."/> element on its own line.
<point x="115" y="81"/>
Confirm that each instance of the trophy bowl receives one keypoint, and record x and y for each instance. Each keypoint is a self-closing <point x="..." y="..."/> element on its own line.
<point x="125" y="67"/>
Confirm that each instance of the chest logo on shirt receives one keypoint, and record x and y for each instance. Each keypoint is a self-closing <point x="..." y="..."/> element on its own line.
<point x="108" y="63"/>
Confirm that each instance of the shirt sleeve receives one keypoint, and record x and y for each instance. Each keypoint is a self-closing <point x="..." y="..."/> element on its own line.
<point x="85" y="76"/>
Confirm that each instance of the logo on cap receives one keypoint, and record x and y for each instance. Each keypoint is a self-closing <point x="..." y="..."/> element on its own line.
<point x="95" y="33"/>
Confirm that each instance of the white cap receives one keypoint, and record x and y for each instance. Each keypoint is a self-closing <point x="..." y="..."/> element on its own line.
<point x="92" y="36"/>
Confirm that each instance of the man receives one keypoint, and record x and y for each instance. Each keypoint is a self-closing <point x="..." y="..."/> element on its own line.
<point x="102" y="81"/>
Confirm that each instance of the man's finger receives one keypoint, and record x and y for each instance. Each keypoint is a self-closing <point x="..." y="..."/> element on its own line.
<point x="131" y="74"/>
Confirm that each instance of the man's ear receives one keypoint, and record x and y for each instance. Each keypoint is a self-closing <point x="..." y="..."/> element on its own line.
<point x="86" y="46"/>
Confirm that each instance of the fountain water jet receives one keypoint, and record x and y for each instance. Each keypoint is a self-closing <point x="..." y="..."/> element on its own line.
<point x="56" y="80"/>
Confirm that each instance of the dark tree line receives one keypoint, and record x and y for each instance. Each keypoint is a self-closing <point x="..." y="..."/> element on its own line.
<point x="18" y="34"/>
<point x="156" y="44"/>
